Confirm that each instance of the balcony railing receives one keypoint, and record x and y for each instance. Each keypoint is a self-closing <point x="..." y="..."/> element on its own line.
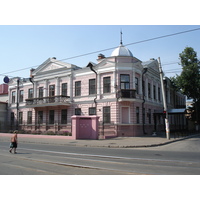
<point x="131" y="94"/>
<point x="45" y="101"/>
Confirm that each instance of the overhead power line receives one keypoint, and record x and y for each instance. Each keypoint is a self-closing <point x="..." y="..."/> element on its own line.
<point x="99" y="51"/>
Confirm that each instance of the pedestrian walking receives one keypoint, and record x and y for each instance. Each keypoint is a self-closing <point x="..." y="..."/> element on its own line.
<point x="13" y="142"/>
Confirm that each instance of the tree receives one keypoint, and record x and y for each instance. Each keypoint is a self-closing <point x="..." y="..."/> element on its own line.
<point x="188" y="82"/>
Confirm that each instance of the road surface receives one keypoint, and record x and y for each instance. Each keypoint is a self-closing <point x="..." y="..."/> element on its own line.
<point x="179" y="158"/>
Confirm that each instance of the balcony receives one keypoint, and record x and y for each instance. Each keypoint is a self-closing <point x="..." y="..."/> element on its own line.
<point x="127" y="94"/>
<point x="48" y="101"/>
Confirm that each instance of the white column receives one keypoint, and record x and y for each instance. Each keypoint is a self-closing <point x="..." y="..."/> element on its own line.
<point x="35" y="90"/>
<point x="140" y="85"/>
<point x="146" y="88"/>
<point x="57" y="86"/>
<point x="133" y="80"/>
<point x="46" y="89"/>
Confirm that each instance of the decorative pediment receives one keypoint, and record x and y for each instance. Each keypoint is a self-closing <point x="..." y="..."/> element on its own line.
<point x="50" y="65"/>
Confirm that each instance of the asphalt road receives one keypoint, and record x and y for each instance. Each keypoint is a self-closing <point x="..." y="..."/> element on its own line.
<point x="179" y="158"/>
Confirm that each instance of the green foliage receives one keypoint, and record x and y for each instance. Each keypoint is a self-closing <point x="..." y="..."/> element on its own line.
<point x="188" y="82"/>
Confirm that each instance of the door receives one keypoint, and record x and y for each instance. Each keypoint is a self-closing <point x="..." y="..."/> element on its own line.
<point x="125" y="115"/>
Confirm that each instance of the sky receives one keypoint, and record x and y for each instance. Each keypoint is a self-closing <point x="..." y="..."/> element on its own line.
<point x="24" y="47"/>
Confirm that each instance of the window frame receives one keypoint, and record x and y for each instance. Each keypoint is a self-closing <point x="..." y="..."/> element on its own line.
<point x="13" y="99"/>
<point x="92" y="86"/>
<point x="30" y="93"/>
<point x="29" y="117"/>
<point x="64" y="116"/>
<point x="124" y="84"/>
<point x="64" y="89"/>
<point x="52" y="90"/>
<point x="78" y="88"/>
<point x="40" y="117"/>
<point x="106" y="115"/>
<point x="106" y="84"/>
<point x="51" y="116"/>
<point x="92" y="111"/>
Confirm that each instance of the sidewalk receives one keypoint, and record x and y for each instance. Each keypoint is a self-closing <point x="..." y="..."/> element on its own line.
<point x="119" y="142"/>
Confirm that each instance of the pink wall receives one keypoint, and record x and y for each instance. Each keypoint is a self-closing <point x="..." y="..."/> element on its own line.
<point x="85" y="127"/>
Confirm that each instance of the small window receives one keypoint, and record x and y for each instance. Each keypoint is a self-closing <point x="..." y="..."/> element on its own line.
<point x="30" y="93"/>
<point x="29" y="117"/>
<point x="92" y="86"/>
<point x="149" y="90"/>
<point x="41" y="89"/>
<point x="125" y="81"/>
<point x="77" y="111"/>
<point x="78" y="88"/>
<point x="20" y="117"/>
<point x="159" y="94"/>
<point x="51" y="117"/>
<point x="64" y="116"/>
<point x="13" y="96"/>
<point x="12" y="118"/>
<point x="40" y="117"/>
<point x="64" y="89"/>
<point x="92" y="111"/>
<point x="106" y="85"/>
<point x="137" y="85"/>
<point x="21" y="95"/>
<point x="137" y="115"/>
<point x="149" y="115"/>
<point x="154" y="92"/>
<point x="106" y="114"/>
<point x="52" y="90"/>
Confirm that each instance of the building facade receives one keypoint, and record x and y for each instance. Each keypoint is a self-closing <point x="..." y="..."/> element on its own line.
<point x="3" y="107"/>
<point x="124" y="92"/>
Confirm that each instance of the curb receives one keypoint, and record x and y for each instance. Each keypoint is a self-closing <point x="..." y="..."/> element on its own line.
<point x="119" y="146"/>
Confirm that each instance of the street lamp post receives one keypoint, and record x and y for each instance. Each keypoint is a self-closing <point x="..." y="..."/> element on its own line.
<point x="164" y="101"/>
<point x="143" y="95"/>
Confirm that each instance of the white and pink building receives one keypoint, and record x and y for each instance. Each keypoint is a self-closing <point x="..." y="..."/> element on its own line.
<point x="124" y="92"/>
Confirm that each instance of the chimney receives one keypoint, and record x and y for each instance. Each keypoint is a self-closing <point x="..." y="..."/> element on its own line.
<point x="100" y="56"/>
<point x="31" y="71"/>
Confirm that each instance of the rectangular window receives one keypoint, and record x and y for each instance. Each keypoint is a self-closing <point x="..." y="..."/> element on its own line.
<point x="13" y="96"/>
<point x="106" y="114"/>
<point x="92" y="86"/>
<point x="143" y="115"/>
<point x="30" y="93"/>
<point x="40" y="117"/>
<point x="21" y="95"/>
<point x="51" y="117"/>
<point x="137" y="85"/>
<point x="154" y="92"/>
<point x="12" y="118"/>
<point x="78" y="88"/>
<point x="64" y="89"/>
<point x="137" y="115"/>
<point x="77" y="111"/>
<point x="143" y="88"/>
<point x="20" y="117"/>
<point x="125" y="81"/>
<point x="159" y="94"/>
<point x="92" y="111"/>
<point x="41" y="89"/>
<point x="29" y="117"/>
<point x="106" y="85"/>
<point x="149" y="90"/>
<point x="52" y="90"/>
<point x="64" y="116"/>
<point x="149" y="115"/>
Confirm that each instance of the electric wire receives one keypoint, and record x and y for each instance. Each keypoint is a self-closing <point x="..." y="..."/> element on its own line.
<point x="99" y="51"/>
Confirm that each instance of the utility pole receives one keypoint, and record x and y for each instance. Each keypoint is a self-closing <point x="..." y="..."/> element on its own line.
<point x="164" y="101"/>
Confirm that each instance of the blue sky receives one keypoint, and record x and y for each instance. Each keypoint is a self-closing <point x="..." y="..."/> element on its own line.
<point x="25" y="46"/>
